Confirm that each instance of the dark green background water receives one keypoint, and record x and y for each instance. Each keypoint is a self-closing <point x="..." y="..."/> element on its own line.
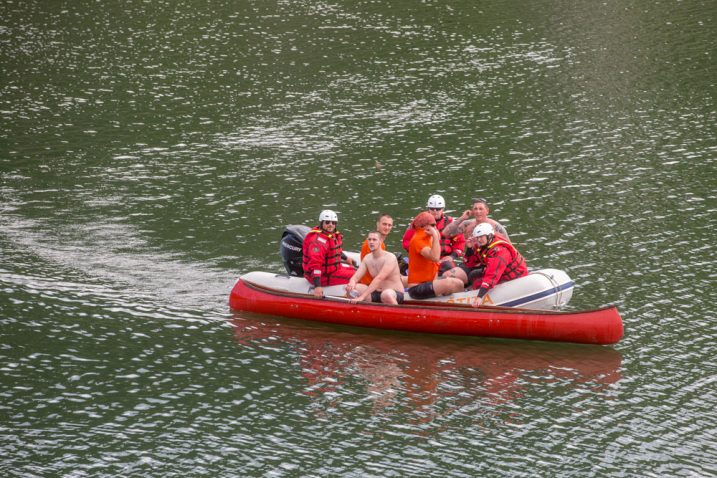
<point x="150" y="152"/>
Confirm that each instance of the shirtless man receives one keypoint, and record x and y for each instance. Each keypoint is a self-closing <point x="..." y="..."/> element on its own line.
<point x="476" y="215"/>
<point x="384" y="224"/>
<point x="386" y="285"/>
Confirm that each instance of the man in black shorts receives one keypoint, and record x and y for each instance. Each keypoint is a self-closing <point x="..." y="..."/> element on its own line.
<point x="386" y="285"/>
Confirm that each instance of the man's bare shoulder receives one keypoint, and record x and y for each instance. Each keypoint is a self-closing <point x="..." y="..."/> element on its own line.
<point x="383" y="258"/>
<point x="392" y="259"/>
<point x="388" y="257"/>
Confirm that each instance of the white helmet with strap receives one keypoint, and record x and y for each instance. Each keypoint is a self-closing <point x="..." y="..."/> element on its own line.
<point x="328" y="215"/>
<point x="436" y="201"/>
<point x="483" y="229"/>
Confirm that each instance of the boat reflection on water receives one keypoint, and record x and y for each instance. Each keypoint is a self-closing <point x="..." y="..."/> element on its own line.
<point x="421" y="369"/>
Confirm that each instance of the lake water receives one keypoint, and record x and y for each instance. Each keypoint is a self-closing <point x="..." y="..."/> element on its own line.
<point x="150" y="152"/>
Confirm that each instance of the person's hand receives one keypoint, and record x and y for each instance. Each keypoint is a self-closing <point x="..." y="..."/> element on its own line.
<point x="477" y="302"/>
<point x="349" y="287"/>
<point x="433" y="232"/>
<point x="350" y="261"/>
<point x="319" y="292"/>
<point x="466" y="214"/>
<point x="445" y="258"/>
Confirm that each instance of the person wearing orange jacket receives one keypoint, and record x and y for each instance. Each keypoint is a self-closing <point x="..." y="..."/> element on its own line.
<point x="499" y="259"/>
<point x="423" y="261"/>
<point x="384" y="225"/>
<point x="452" y="247"/>
<point x="323" y="255"/>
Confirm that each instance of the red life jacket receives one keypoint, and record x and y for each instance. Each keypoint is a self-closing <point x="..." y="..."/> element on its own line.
<point x="472" y="258"/>
<point x="322" y="253"/>
<point x="499" y="266"/>
<point x="446" y="244"/>
<point x="502" y="263"/>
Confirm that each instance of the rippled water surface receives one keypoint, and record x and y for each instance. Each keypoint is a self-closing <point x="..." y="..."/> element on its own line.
<point x="150" y="152"/>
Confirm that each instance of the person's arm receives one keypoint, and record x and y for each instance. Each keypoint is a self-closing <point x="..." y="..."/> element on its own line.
<point x="433" y="253"/>
<point x="355" y="278"/>
<point x="454" y="228"/>
<point x="467" y="227"/>
<point x="500" y="229"/>
<point x="316" y="256"/>
<point x="494" y="268"/>
<point x="348" y="260"/>
<point x="459" y="245"/>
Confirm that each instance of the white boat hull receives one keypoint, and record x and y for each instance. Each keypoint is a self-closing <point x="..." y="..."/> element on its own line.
<point x="543" y="289"/>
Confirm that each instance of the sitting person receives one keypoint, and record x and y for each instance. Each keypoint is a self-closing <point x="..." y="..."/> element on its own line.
<point x="384" y="224"/>
<point x="323" y="255"/>
<point x="471" y="217"/>
<point x="386" y="285"/>
<point x="490" y="261"/>
<point x="451" y="247"/>
<point x="424" y="256"/>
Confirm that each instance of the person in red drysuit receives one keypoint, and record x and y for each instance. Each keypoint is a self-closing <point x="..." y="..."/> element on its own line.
<point x="498" y="258"/>
<point x="323" y="255"/>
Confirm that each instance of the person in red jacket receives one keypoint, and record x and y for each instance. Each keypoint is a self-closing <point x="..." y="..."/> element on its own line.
<point x="323" y="255"/>
<point x="451" y="247"/>
<point x="494" y="257"/>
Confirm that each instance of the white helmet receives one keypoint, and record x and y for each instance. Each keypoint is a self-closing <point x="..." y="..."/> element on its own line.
<point x="483" y="229"/>
<point x="328" y="215"/>
<point x="436" y="201"/>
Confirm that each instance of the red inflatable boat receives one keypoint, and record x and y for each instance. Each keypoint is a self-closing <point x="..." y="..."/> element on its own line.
<point x="600" y="326"/>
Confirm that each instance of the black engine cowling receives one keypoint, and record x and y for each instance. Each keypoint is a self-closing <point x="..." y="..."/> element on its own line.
<point x="291" y="249"/>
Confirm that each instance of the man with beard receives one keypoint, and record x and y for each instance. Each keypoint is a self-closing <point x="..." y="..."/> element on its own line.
<point x="323" y="255"/>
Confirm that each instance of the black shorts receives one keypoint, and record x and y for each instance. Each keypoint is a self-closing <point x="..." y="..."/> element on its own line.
<point x="424" y="290"/>
<point x="376" y="296"/>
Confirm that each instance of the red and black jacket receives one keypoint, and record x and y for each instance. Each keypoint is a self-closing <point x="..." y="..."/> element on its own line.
<point x="322" y="254"/>
<point x="502" y="263"/>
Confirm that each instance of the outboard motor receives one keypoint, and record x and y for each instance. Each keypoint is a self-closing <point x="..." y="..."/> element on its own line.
<point x="291" y="249"/>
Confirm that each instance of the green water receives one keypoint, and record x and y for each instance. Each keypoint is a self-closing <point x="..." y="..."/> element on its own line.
<point x="150" y="152"/>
